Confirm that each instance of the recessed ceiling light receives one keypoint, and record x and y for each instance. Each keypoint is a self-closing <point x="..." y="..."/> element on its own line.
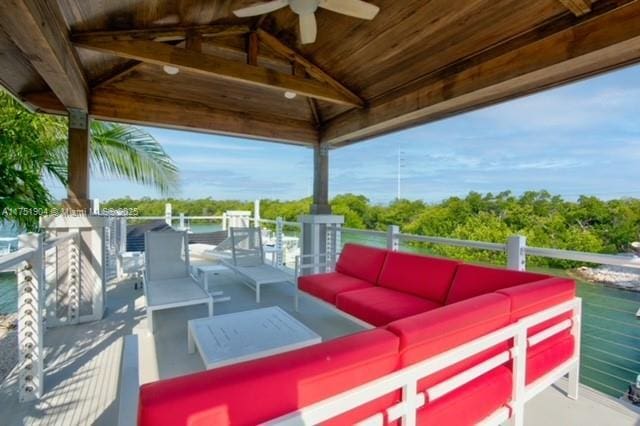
<point x="290" y="95"/>
<point x="171" y="70"/>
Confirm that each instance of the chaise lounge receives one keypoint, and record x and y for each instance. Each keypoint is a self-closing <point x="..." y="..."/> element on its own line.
<point x="450" y="344"/>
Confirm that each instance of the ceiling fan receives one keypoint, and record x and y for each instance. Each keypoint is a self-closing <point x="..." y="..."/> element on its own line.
<point x="306" y="9"/>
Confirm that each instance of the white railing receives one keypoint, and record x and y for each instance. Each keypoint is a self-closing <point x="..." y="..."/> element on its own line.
<point x="406" y="380"/>
<point x="36" y="263"/>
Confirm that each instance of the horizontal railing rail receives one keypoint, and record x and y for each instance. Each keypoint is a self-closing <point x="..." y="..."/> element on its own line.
<point x="482" y="245"/>
<point x="364" y="232"/>
<point x="580" y="256"/>
<point x="15" y="258"/>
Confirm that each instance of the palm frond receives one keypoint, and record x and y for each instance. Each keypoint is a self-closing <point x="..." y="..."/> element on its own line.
<point x="127" y="152"/>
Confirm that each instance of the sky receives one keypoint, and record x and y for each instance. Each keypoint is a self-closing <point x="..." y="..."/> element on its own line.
<point x="582" y="138"/>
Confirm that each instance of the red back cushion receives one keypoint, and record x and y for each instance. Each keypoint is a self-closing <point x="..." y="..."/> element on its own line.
<point x="527" y="299"/>
<point x="361" y="262"/>
<point x="253" y="392"/>
<point x="423" y="276"/>
<point x="431" y="333"/>
<point x="471" y="280"/>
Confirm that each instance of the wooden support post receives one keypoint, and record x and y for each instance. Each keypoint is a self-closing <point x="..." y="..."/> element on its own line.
<point x="320" y="180"/>
<point x="78" y="186"/>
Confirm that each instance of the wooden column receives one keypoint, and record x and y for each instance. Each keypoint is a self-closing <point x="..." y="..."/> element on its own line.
<point x="78" y="187"/>
<point x="320" y="180"/>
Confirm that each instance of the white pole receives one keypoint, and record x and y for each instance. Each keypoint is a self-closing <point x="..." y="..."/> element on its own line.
<point x="31" y="281"/>
<point x="393" y="242"/>
<point x="516" y="256"/>
<point x="256" y="213"/>
<point x="167" y="214"/>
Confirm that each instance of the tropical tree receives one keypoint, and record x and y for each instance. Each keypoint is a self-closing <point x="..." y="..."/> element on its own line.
<point x="33" y="146"/>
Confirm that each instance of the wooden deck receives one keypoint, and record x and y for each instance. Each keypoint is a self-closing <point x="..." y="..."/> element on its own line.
<point x="83" y="362"/>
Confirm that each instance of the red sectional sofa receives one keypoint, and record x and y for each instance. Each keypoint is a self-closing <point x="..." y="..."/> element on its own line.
<point x="422" y="307"/>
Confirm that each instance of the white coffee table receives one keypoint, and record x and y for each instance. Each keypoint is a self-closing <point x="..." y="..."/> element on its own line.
<point x="228" y="339"/>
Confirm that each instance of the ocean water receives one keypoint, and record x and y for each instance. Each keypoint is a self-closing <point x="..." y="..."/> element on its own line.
<point x="8" y="293"/>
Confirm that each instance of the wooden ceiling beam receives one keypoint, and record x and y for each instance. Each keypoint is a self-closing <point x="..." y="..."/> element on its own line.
<point x="162" y="54"/>
<point x="133" y="108"/>
<point x="160" y="33"/>
<point x="312" y="69"/>
<point x="37" y="28"/>
<point x="577" y="7"/>
<point x="561" y="52"/>
<point x="121" y="106"/>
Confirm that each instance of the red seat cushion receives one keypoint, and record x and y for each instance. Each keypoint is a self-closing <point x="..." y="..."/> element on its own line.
<point x="328" y="286"/>
<point x="361" y="262"/>
<point x="256" y="391"/>
<point x="379" y="306"/>
<point x="422" y="276"/>
<point x="471" y="280"/>
<point x="431" y="333"/>
<point x="470" y="403"/>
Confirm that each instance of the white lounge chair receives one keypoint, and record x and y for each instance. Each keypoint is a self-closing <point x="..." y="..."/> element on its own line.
<point x="247" y="260"/>
<point x="167" y="280"/>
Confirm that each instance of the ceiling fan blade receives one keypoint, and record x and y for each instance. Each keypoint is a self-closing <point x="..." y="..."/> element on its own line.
<point x="356" y="8"/>
<point x="260" y="8"/>
<point x="308" y="28"/>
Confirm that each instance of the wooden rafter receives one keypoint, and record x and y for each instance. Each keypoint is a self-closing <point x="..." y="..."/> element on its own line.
<point x="577" y="7"/>
<point x="312" y="69"/>
<point x="38" y="29"/>
<point x="315" y="112"/>
<point x="253" y="48"/>
<point x="571" y="51"/>
<point x="160" y="33"/>
<point x="163" y="54"/>
<point x="114" y="74"/>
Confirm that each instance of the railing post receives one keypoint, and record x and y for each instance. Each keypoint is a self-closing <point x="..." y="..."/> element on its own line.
<point x="168" y="215"/>
<point x="516" y="253"/>
<point x="279" y="245"/>
<point x="574" y="374"/>
<point x="181" y="223"/>
<point x="256" y="213"/>
<point x="393" y="242"/>
<point x="30" y="321"/>
<point x="519" y="367"/>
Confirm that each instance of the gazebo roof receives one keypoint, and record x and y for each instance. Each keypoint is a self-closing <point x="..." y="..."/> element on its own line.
<point x="416" y="62"/>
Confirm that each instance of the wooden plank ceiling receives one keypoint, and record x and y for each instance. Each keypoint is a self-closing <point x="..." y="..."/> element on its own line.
<point x="416" y="62"/>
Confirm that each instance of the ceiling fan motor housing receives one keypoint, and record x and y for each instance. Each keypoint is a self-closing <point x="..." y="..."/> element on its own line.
<point x="303" y="7"/>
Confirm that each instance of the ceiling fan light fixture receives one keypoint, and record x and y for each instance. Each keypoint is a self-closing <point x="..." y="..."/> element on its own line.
<point x="290" y="95"/>
<point x="170" y="70"/>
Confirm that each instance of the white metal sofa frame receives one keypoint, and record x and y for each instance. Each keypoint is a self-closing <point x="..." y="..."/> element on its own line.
<point x="407" y="379"/>
<point x="167" y="279"/>
<point x="249" y="264"/>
